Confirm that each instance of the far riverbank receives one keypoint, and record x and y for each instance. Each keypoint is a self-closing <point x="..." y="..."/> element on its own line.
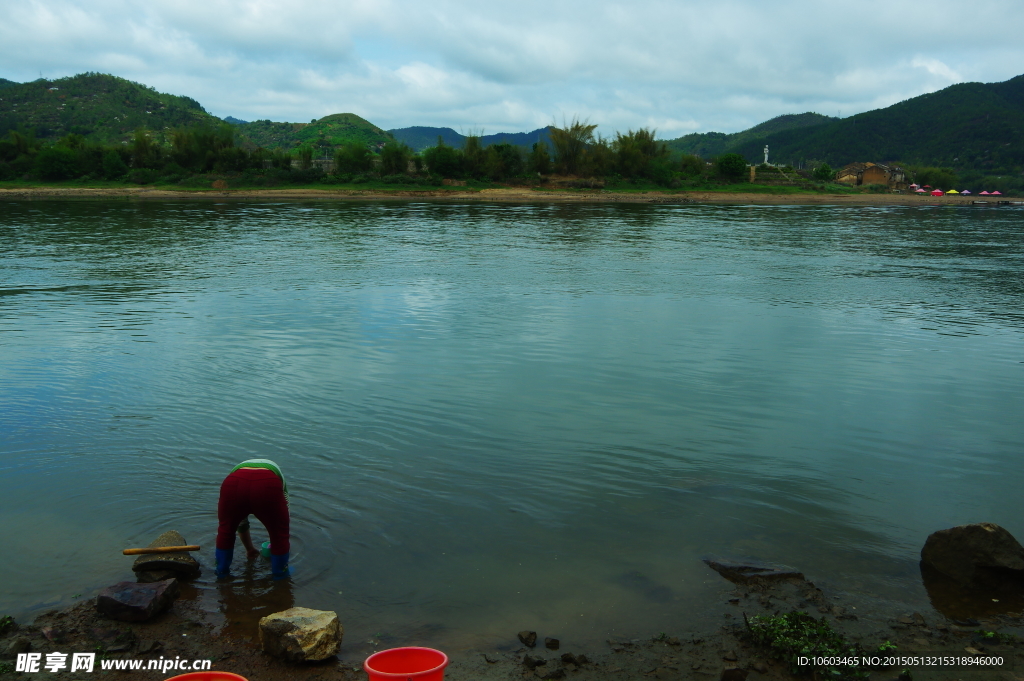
<point x="501" y="195"/>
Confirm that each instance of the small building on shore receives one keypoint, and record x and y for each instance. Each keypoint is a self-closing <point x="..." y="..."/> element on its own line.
<point x="858" y="174"/>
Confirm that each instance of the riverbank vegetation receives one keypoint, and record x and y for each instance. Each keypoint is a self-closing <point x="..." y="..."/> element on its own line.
<point x="203" y="156"/>
<point x="199" y="156"/>
<point x="103" y="128"/>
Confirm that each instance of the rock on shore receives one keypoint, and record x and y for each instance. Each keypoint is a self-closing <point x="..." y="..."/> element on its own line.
<point x="301" y="634"/>
<point x="959" y="552"/>
<point x="159" y="566"/>
<point x="134" y="602"/>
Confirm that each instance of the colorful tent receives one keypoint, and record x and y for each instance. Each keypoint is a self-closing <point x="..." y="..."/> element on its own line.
<point x="952" y="191"/>
<point x="927" y="186"/>
<point x="936" y="192"/>
<point x="914" y="186"/>
<point x="966" y="191"/>
<point x="996" y="193"/>
<point x="983" y="193"/>
<point x="920" y="191"/>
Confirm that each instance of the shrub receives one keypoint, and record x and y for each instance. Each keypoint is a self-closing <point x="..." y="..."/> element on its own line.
<point x="638" y="154"/>
<point x="143" y="175"/>
<point x="57" y="163"/>
<point x="692" y="166"/>
<point x="539" y="160"/>
<point x="503" y="160"/>
<point x="599" y="159"/>
<point x="113" y="165"/>
<point x="731" y="166"/>
<point x="473" y="156"/>
<point x="797" y="634"/>
<point x="394" y="158"/>
<point x="353" y="157"/>
<point x="443" y="160"/>
<point x="823" y="173"/>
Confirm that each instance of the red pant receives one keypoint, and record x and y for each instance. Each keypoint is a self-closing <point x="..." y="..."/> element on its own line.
<point x="257" y="491"/>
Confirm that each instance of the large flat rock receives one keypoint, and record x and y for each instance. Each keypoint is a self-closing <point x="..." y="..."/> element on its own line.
<point x="959" y="552"/>
<point x="160" y="566"/>
<point x="301" y="634"/>
<point x="135" y="602"/>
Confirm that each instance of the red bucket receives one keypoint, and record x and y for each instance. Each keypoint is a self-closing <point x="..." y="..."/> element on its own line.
<point x="406" y="664"/>
<point x="208" y="676"/>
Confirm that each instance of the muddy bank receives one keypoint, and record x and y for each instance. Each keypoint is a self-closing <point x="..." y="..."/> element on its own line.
<point x="721" y="647"/>
<point x="506" y="194"/>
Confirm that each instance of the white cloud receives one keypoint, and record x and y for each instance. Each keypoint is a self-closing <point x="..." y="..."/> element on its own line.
<point x="509" y="66"/>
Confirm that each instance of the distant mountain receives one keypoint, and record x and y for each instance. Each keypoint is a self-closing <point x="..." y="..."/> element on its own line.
<point x="7" y="83"/>
<point x="330" y="130"/>
<point x="103" y="108"/>
<point x="978" y="126"/>
<point x="711" y="144"/>
<point x="234" y="121"/>
<point x="420" y="137"/>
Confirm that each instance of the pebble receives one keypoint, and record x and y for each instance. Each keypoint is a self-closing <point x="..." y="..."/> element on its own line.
<point x="734" y="674"/>
<point x="15" y="646"/>
<point x="528" y="638"/>
<point x="532" y="662"/>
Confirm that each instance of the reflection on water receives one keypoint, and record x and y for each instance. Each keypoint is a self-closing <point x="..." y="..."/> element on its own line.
<point x="999" y="594"/>
<point x="248" y="598"/>
<point x="494" y="418"/>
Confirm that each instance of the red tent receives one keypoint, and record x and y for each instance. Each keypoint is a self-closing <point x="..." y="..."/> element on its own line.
<point x="927" y="186"/>
<point x="983" y="193"/>
<point x="936" y="192"/>
<point x="996" y="193"/>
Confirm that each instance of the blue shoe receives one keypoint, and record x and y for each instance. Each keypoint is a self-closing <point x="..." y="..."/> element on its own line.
<point x="224" y="562"/>
<point x="279" y="566"/>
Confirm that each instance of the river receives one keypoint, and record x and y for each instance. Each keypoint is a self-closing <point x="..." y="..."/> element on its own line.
<point x="504" y="417"/>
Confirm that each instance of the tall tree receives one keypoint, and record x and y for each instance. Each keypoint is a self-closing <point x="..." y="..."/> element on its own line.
<point x="570" y="144"/>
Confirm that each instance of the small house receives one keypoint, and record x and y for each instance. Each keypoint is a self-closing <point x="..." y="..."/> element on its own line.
<point x="858" y="174"/>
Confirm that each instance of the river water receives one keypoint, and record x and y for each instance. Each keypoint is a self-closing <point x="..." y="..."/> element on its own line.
<point x="504" y="417"/>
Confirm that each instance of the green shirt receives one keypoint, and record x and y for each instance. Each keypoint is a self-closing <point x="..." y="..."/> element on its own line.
<point x="270" y="466"/>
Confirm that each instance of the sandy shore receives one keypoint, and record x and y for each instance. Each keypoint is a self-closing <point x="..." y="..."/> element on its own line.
<point x="506" y="194"/>
<point x="717" y="648"/>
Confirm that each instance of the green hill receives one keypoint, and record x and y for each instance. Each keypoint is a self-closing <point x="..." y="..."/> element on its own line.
<point x="101" y="107"/>
<point x="968" y="126"/>
<point x="420" y="137"/>
<point x="330" y="130"/>
<point x="711" y="144"/>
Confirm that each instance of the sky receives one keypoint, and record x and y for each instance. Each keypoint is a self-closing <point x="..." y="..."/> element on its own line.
<point x="488" y="67"/>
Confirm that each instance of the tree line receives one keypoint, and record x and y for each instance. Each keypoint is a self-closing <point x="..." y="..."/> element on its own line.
<point x="149" y="156"/>
<point x="175" y="155"/>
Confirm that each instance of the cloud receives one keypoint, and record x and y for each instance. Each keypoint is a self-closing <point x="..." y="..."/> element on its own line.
<point x="509" y="66"/>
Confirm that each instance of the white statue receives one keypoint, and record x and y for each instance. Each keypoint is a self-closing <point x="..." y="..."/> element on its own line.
<point x="766" y="154"/>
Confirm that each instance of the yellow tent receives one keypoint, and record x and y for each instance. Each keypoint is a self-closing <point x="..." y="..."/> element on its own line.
<point x="952" y="191"/>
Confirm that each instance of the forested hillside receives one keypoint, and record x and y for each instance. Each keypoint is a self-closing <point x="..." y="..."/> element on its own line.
<point x="99" y="107"/>
<point x="712" y="144"/>
<point x="421" y="137"/>
<point x="329" y="131"/>
<point x="969" y="126"/>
